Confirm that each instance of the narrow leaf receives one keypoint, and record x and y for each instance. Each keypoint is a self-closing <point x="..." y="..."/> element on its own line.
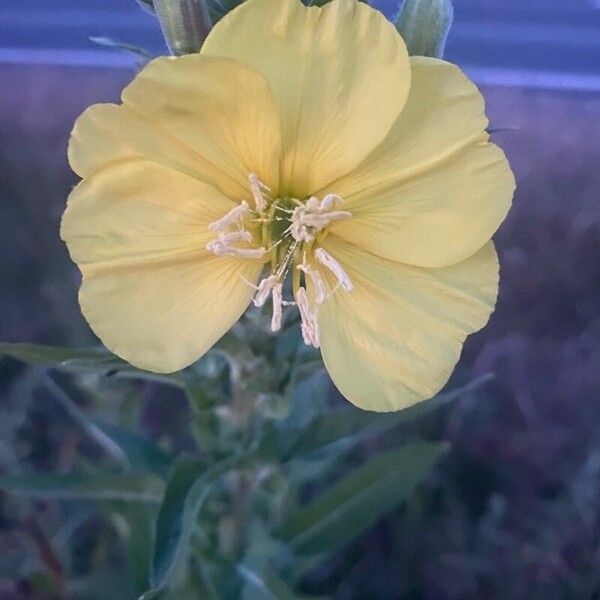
<point x="355" y="502"/>
<point x="142" y="453"/>
<point x="265" y="585"/>
<point x="140" y="521"/>
<point x="188" y="488"/>
<point x="51" y="355"/>
<point x="492" y="130"/>
<point x="124" y="488"/>
<point x="88" y="360"/>
<point x="344" y="427"/>
<point x="116" y="45"/>
<point x="424" y="25"/>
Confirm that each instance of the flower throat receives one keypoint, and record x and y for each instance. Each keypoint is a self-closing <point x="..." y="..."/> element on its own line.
<point x="285" y="234"/>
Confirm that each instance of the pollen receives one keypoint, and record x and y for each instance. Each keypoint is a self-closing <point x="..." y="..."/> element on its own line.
<point x="285" y="233"/>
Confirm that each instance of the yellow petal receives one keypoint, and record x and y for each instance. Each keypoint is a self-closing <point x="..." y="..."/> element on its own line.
<point x="395" y="339"/>
<point x="150" y="290"/>
<point x="340" y="75"/>
<point x="210" y="117"/>
<point x="434" y="191"/>
<point x="164" y="315"/>
<point x="136" y="211"/>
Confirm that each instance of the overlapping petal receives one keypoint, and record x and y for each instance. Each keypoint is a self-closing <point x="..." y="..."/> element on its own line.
<point x="214" y="118"/>
<point x="435" y="190"/>
<point x="395" y="339"/>
<point x="150" y="290"/>
<point x="340" y="75"/>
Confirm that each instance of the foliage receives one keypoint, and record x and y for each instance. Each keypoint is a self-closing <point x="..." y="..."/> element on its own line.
<point x="511" y="512"/>
<point x="252" y="504"/>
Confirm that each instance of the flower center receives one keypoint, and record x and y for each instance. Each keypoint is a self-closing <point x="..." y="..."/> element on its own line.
<point x="285" y="233"/>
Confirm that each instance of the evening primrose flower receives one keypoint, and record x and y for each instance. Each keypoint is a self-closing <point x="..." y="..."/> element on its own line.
<point x="300" y="144"/>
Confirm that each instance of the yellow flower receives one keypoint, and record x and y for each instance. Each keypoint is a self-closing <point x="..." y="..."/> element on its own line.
<point x="300" y="143"/>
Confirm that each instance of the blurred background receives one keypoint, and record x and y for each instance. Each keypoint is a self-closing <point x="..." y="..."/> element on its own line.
<point x="513" y="511"/>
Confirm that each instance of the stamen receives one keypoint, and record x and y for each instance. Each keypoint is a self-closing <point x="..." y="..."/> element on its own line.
<point x="257" y="188"/>
<point x="330" y="201"/>
<point x="312" y="204"/>
<point x="234" y="236"/>
<point x="309" y="219"/>
<point x="264" y="289"/>
<point x="218" y="248"/>
<point x="321" y="220"/>
<point x="334" y="266"/>
<point x="316" y="279"/>
<point x="309" y="324"/>
<point x="234" y="215"/>
<point x="301" y="221"/>
<point x="277" y="295"/>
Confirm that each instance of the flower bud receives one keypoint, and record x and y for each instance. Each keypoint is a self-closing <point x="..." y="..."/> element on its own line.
<point x="184" y="23"/>
<point x="424" y="25"/>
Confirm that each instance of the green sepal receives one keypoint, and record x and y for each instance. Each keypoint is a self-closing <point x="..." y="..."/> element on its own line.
<point x="184" y="23"/>
<point x="424" y="26"/>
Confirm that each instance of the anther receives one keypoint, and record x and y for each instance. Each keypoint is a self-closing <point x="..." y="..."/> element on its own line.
<point x="264" y="289"/>
<point x="277" y="295"/>
<point x="308" y="319"/>
<point x="219" y="249"/>
<point x="334" y="266"/>
<point x="258" y="190"/>
<point x="234" y="215"/>
<point x="316" y="279"/>
<point x="234" y="236"/>
<point x="329" y="201"/>
<point x="310" y="218"/>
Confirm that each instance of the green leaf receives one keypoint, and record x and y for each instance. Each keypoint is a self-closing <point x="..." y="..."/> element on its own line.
<point x="264" y="585"/>
<point x="107" y="42"/>
<point x="88" y="360"/>
<point x="424" y="25"/>
<point x="189" y="485"/>
<point x="342" y="428"/>
<point x="142" y="453"/>
<point x="123" y="488"/>
<point x="354" y="503"/>
<point x="157" y="594"/>
<point x="492" y="130"/>
<point x="51" y="355"/>
<point x="140" y="520"/>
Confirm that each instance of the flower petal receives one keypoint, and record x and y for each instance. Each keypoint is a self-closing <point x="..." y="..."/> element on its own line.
<point x="395" y="339"/>
<point x="434" y="191"/>
<point x="211" y="117"/>
<point x="164" y="315"/>
<point x="340" y="75"/>
<point x="134" y="211"/>
<point x="150" y="290"/>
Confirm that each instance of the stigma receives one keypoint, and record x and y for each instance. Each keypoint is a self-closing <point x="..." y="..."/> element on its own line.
<point x="285" y="235"/>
